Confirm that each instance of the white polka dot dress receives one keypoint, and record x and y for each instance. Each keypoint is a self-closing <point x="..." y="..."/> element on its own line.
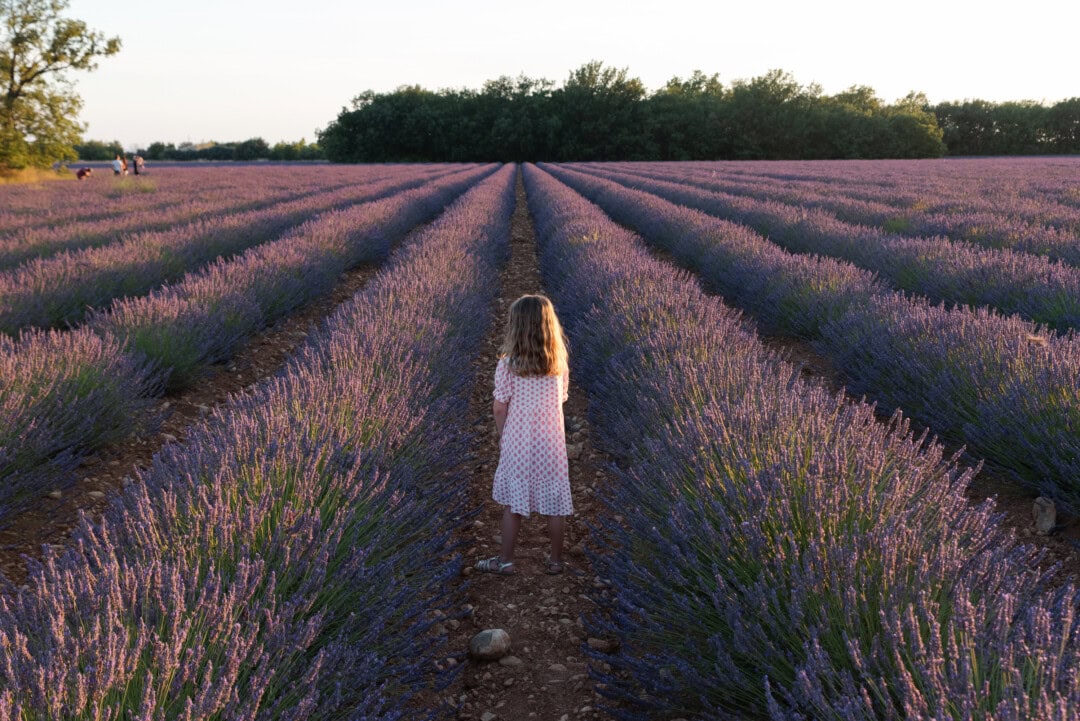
<point x="533" y="474"/>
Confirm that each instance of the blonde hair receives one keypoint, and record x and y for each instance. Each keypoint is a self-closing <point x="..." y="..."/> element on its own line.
<point x="534" y="344"/>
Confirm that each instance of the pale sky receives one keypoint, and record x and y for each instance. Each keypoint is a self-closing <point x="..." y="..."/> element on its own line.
<point x="235" y="69"/>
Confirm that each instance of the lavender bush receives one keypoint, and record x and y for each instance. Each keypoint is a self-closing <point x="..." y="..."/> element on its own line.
<point x="788" y="293"/>
<point x="69" y="216"/>
<point x="61" y="393"/>
<point x="282" y="563"/>
<point x="199" y="320"/>
<point x="949" y="373"/>
<point x="59" y="290"/>
<point x="1016" y="203"/>
<point x="180" y="329"/>
<point x="788" y="556"/>
<point x="72" y="224"/>
<point x="943" y="270"/>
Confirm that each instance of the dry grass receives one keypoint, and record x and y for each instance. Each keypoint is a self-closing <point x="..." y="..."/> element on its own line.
<point x="9" y="176"/>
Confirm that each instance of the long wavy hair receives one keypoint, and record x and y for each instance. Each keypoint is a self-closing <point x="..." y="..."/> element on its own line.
<point x="534" y="343"/>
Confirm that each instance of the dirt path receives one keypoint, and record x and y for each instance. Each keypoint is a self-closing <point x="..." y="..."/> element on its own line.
<point x="53" y="518"/>
<point x="545" y="677"/>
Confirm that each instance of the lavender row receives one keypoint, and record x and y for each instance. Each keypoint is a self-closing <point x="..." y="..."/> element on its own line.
<point x="1002" y="385"/>
<point x="964" y="211"/>
<point x="787" y="555"/>
<point x="60" y="290"/>
<point x="248" y="194"/>
<point x="1042" y="190"/>
<point x="286" y="561"/>
<point x="25" y="208"/>
<point x="164" y="340"/>
<point x="1036" y="190"/>
<point x="943" y="270"/>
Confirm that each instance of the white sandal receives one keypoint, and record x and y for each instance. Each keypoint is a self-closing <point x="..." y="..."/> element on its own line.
<point x="495" y="565"/>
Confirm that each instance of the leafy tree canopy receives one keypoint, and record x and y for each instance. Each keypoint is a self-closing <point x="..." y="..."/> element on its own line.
<point x="38" y="106"/>
<point x="604" y="113"/>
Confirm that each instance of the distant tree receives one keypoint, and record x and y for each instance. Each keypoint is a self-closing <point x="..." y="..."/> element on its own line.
<point x="602" y="113"/>
<point x="684" y="118"/>
<point x="913" y="130"/>
<point x="1063" y="126"/>
<point x="38" y="106"/>
<point x="252" y="149"/>
<point x="216" y="151"/>
<point x="978" y="127"/>
<point x="300" y="150"/>
<point x="98" y="150"/>
<point x="599" y="115"/>
<point x="158" y="151"/>
<point x="764" y="117"/>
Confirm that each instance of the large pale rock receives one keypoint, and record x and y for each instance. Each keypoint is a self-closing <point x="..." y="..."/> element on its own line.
<point x="1045" y="515"/>
<point x="489" y="645"/>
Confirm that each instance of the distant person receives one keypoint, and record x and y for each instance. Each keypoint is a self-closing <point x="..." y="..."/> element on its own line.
<point x="123" y="164"/>
<point x="137" y="164"/>
<point x="84" y="173"/>
<point x="118" y="166"/>
<point x="531" y="384"/>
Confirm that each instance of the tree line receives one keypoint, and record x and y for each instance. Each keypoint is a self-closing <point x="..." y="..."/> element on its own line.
<point x="602" y="113"/>
<point x="978" y="127"/>
<point x="251" y="149"/>
<point x="598" y="113"/>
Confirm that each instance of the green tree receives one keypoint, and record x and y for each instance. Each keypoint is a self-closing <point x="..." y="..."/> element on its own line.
<point x="684" y="118"/>
<point x="251" y="149"/>
<point x="1063" y="126"/>
<point x="98" y="150"/>
<point x="600" y="115"/>
<point x="38" y="106"/>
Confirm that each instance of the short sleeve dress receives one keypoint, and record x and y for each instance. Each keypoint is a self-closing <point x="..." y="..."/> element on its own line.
<point x="533" y="474"/>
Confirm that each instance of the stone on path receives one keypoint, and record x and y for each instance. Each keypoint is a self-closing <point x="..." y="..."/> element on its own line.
<point x="510" y="661"/>
<point x="603" y="645"/>
<point x="488" y="716"/>
<point x="490" y="644"/>
<point x="1045" y="515"/>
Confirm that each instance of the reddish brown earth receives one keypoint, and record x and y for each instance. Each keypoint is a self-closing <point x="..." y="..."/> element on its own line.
<point x="541" y="613"/>
<point x="52" y="519"/>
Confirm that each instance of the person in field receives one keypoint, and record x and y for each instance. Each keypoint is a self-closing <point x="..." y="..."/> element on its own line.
<point x="84" y="173"/>
<point x="117" y="166"/>
<point x="531" y="384"/>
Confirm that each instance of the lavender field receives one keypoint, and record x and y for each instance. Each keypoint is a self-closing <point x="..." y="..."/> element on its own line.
<point x="770" y="549"/>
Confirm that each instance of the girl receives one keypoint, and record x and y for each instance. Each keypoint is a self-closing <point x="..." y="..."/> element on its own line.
<point x="531" y="384"/>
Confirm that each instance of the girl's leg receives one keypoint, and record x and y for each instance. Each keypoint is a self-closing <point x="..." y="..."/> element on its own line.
<point x="556" y="529"/>
<point x="511" y="524"/>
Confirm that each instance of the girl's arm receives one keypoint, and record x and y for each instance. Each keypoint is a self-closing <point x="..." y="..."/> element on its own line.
<point x="499" y="408"/>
